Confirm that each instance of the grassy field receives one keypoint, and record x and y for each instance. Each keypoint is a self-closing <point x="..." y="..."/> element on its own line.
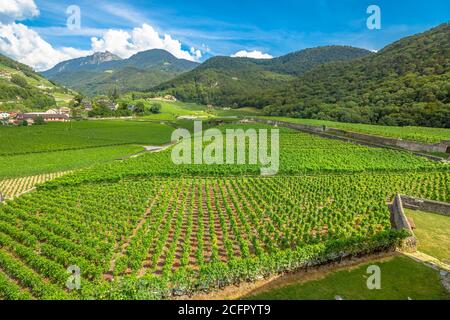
<point x="48" y="162"/>
<point x="241" y="112"/>
<point x="432" y="232"/>
<point x="420" y="134"/>
<point x="401" y="279"/>
<point x="81" y="134"/>
<point x="171" y="110"/>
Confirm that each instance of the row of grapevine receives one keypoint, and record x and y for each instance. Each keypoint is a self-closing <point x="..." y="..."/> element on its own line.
<point x="300" y="153"/>
<point x="13" y="187"/>
<point x="194" y="228"/>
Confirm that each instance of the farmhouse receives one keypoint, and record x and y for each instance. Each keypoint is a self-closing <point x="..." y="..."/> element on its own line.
<point x="87" y="105"/>
<point x="113" y="107"/>
<point x="31" y="117"/>
<point x="62" y="110"/>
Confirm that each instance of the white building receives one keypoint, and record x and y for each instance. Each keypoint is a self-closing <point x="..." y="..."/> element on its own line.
<point x="4" y="115"/>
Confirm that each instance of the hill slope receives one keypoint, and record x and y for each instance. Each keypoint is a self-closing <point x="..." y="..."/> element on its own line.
<point x="99" y="73"/>
<point x="22" y="89"/>
<point x="407" y="83"/>
<point x="225" y="81"/>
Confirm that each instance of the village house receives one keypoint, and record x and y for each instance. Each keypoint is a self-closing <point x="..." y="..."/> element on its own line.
<point x="87" y="105"/>
<point x="31" y="117"/>
<point x="65" y="110"/>
<point x="62" y="110"/>
<point x="170" y="98"/>
<point x="113" y="107"/>
<point x="52" y="111"/>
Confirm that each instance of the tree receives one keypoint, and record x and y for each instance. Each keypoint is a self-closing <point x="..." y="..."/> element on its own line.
<point x="155" y="108"/>
<point x="78" y="99"/>
<point x="139" y="108"/>
<point x="20" y="81"/>
<point x="39" y="121"/>
<point x="114" y="94"/>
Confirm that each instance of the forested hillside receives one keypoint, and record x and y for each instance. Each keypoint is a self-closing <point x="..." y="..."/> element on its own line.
<point x="23" y="89"/>
<point x="407" y="83"/>
<point x="239" y="82"/>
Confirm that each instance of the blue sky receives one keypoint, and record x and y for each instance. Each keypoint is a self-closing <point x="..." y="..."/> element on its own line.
<point x="225" y="27"/>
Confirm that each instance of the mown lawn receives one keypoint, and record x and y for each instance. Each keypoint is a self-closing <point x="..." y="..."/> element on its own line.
<point x="170" y="111"/>
<point x="401" y="278"/>
<point x="48" y="162"/>
<point x="433" y="233"/>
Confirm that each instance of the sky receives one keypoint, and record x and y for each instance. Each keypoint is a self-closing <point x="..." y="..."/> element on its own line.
<point x="37" y="32"/>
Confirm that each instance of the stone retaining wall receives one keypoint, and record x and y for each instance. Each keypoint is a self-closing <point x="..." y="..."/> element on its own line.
<point x="442" y="147"/>
<point x="426" y="205"/>
<point x="400" y="222"/>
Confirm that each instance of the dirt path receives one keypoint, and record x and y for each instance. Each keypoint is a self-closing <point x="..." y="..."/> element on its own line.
<point x="428" y="260"/>
<point x="147" y="149"/>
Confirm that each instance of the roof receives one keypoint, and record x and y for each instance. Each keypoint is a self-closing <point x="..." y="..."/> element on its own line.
<point x="43" y="115"/>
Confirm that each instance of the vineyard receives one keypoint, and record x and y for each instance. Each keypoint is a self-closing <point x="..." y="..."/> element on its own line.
<point x="195" y="232"/>
<point x="419" y="134"/>
<point x="300" y="153"/>
<point x="13" y="187"/>
<point x="145" y="228"/>
<point x="81" y="135"/>
<point x="43" y="163"/>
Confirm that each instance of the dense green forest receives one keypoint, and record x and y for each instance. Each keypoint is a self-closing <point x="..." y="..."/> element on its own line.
<point x="240" y="82"/>
<point x="407" y="83"/>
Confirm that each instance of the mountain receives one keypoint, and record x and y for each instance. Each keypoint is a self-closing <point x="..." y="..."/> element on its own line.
<point x="101" y="72"/>
<point x="297" y="63"/>
<point x="22" y="89"/>
<point x="406" y="83"/>
<point x="81" y="64"/>
<point x="226" y="81"/>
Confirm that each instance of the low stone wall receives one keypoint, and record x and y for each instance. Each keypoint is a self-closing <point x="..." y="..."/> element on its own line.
<point x="296" y="126"/>
<point x="400" y="222"/>
<point x="426" y="205"/>
<point x="442" y="147"/>
<point x="404" y="144"/>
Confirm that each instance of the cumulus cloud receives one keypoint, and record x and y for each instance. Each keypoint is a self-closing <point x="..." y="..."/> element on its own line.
<point x="26" y="46"/>
<point x="13" y="10"/>
<point x="252" y="54"/>
<point x="125" y="44"/>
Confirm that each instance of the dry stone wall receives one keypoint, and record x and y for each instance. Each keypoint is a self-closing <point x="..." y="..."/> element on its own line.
<point x="442" y="147"/>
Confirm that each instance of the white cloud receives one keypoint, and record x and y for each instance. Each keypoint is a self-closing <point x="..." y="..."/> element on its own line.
<point x="13" y="10"/>
<point x="252" y="54"/>
<point x="126" y="44"/>
<point x="26" y="46"/>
